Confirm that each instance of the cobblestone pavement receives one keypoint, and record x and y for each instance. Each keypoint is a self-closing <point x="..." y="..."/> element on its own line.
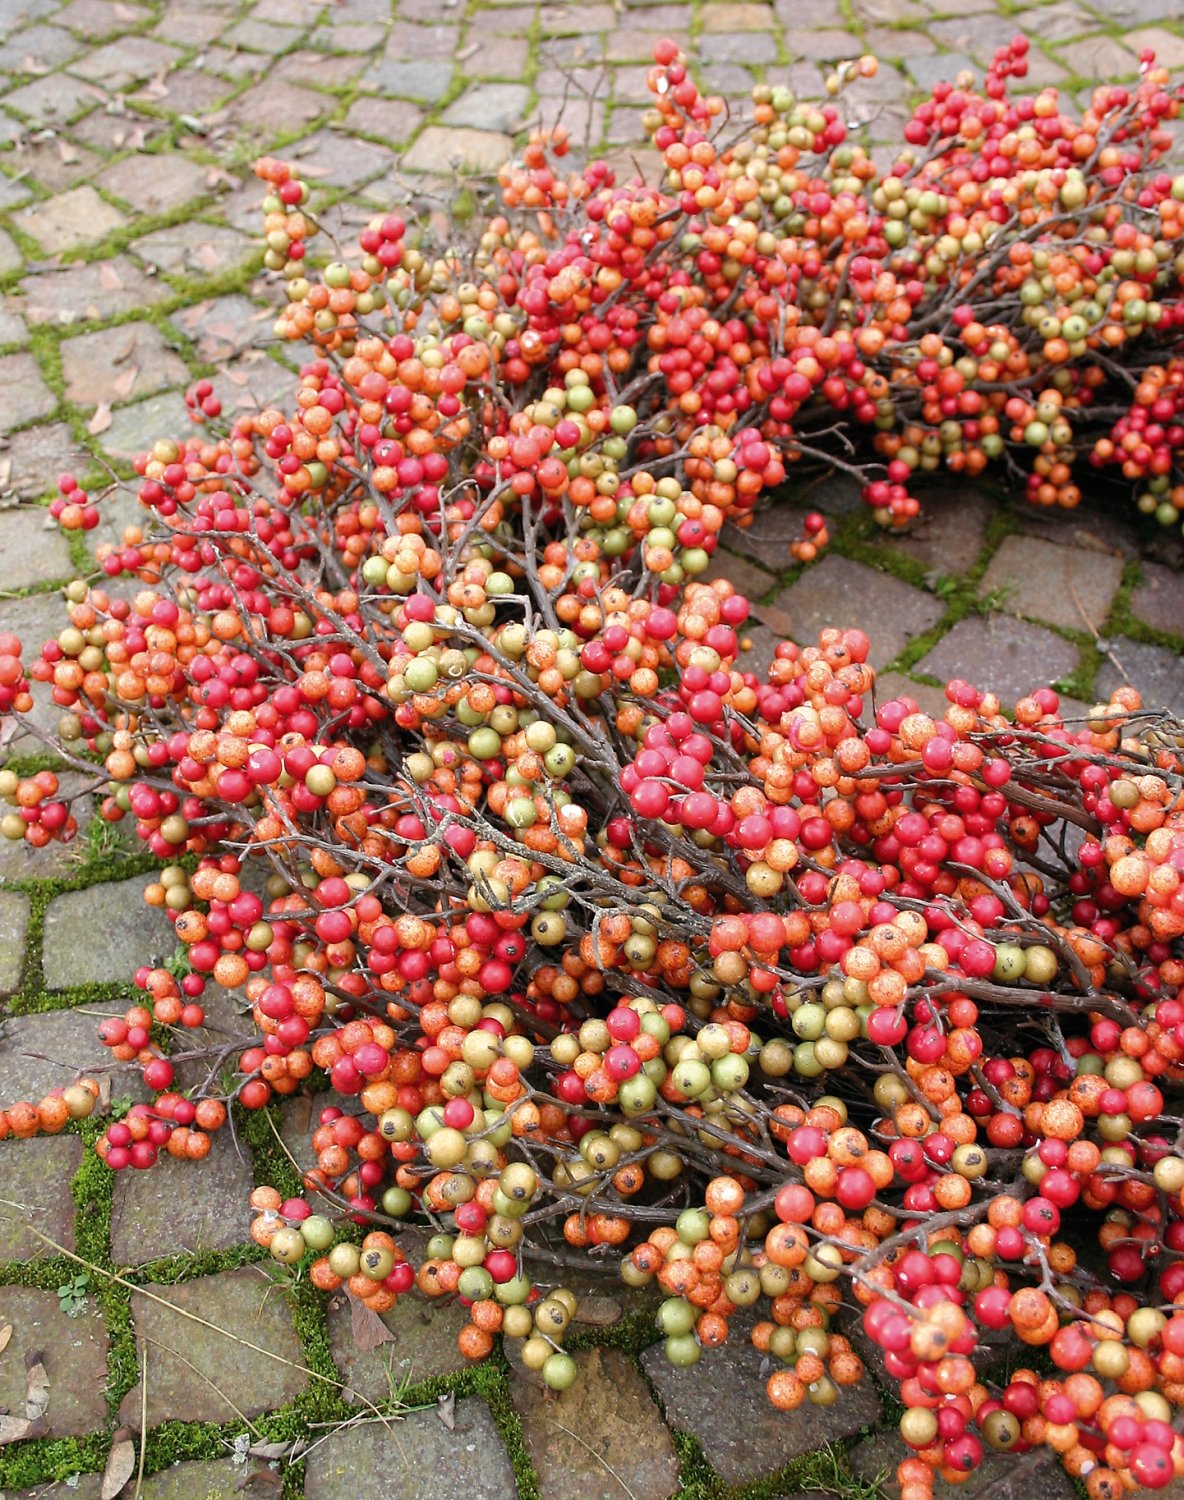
<point x="127" y="266"/>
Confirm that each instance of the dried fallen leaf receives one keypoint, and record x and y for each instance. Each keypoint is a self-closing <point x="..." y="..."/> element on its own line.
<point x="126" y="350"/>
<point x="67" y="152"/>
<point x="367" y="1328"/>
<point x="122" y="386"/>
<point x="16" y="1429"/>
<point x="5" y="1334"/>
<point x="101" y="420"/>
<point x="290" y="1448"/>
<point x="121" y="1461"/>
<point x="109" y="278"/>
<point x="446" y="1409"/>
<point x="127" y="13"/>
<point x="260" y="1479"/>
<point x="36" y="1386"/>
<point x="207" y="257"/>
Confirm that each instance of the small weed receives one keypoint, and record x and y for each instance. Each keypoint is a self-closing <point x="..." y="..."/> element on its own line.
<point x="73" y="1294"/>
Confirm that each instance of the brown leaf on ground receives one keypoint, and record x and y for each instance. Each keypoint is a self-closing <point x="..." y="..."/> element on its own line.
<point x="36" y="1386"/>
<point x="121" y="1461"/>
<point x="101" y="420"/>
<point x="109" y="278"/>
<point x="123" y="385"/>
<point x="368" y="1329"/>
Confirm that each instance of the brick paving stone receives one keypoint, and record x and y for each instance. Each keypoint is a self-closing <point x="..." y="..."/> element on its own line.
<point x="1099" y="57"/>
<point x="389" y="119"/>
<point x="828" y="45"/>
<point x="111" y="133"/>
<point x="274" y="105"/>
<point x="222" y="326"/>
<point x="102" y="934"/>
<point x="127" y="61"/>
<point x="192" y="248"/>
<point x="942" y="67"/>
<point x="498" y="57"/>
<point x="202" y="1371"/>
<point x="440" y="42"/>
<point x="44" y="46"/>
<point x="1094" y="529"/>
<point x="261" y="36"/>
<point x="34" y="618"/>
<point x="347" y="36"/>
<point x="1054" y="23"/>
<point x="1156" y="671"/>
<point x="50" y="101"/>
<point x="136" y="427"/>
<point x="93" y="364"/>
<point x="602" y="1437"/>
<point x="744" y="1438"/>
<point x="13" y="329"/>
<point x="75" y="1356"/>
<point x="727" y="78"/>
<point x="78" y="217"/>
<point x="332" y="157"/>
<point x="753" y="582"/>
<point x="14" y="924"/>
<point x="49" y="1050"/>
<point x="424" y="1346"/>
<point x="1159" y="599"/>
<point x="104" y="289"/>
<point x="96" y="19"/>
<point x="625" y="44"/>
<point x="173" y="1209"/>
<point x="930" y="700"/>
<point x="418" y="1457"/>
<point x="977" y="35"/>
<point x="189" y="25"/>
<point x="214" y="1480"/>
<point x="1168" y="48"/>
<point x="77" y="1487"/>
<point x="13" y="192"/>
<point x="24" y="396"/>
<point x="43" y="161"/>
<point x="837" y="591"/>
<point x="32" y="547"/>
<point x="320" y="71"/>
<point x="1066" y="586"/>
<point x="575" y="20"/>
<point x="10" y="256"/>
<point x="745" y="15"/>
<point x="423" y="79"/>
<point x="38" y="1174"/>
<point x="441" y="147"/>
<point x="885" y="1451"/>
<point x="19" y="860"/>
<point x="740" y="47"/>
<point x="1002" y="654"/>
<point x="154" y="184"/>
<point x="36" y="456"/>
<point x="901" y="44"/>
<point x="950" y="531"/>
<point x="489" y="106"/>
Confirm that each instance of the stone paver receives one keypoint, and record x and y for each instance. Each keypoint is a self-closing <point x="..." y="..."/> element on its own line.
<point x="151" y="188"/>
<point x="424" y="1345"/>
<point x="837" y="591"/>
<point x="24" y="395"/>
<point x="881" y="1452"/>
<point x="49" y="1051"/>
<point x="1006" y="655"/>
<point x="950" y="532"/>
<point x="107" y="289"/>
<point x="418" y="1457"/>
<point x="115" y="364"/>
<point x="197" y="1481"/>
<point x="102" y="934"/>
<point x="439" y="149"/>
<point x="75" y="1358"/>
<point x="210" y="1373"/>
<point x="14" y="924"/>
<point x="37" y="1174"/>
<point x="1156" y="671"/>
<point x="1065" y="586"/>
<point x="79" y="217"/>
<point x="1159" y="599"/>
<point x="32" y="548"/>
<point x="745" y="1437"/>
<point x="599" y="1439"/>
<point x="173" y="1208"/>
